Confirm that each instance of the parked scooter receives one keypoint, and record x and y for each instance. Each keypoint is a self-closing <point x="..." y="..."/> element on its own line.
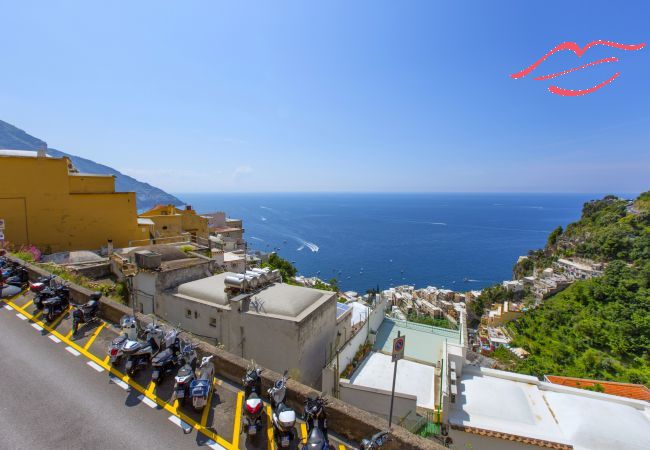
<point x="253" y="402"/>
<point x="54" y="290"/>
<point x="139" y="353"/>
<point x="283" y="416"/>
<point x="376" y="441"/>
<point x="54" y="306"/>
<point x="129" y="333"/>
<point x="316" y="424"/>
<point x="165" y="360"/>
<point x="85" y="313"/>
<point x="201" y="387"/>
<point x="186" y="373"/>
<point x="41" y="283"/>
<point x="19" y="278"/>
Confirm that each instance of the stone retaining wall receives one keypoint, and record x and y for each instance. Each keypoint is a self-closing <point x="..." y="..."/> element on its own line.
<point x="346" y="420"/>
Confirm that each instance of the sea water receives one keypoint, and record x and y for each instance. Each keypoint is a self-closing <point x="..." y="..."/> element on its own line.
<point x="455" y="241"/>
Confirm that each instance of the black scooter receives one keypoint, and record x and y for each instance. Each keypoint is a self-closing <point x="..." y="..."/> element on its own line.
<point x="54" y="306"/>
<point x="165" y="361"/>
<point x="61" y="291"/>
<point x="316" y="424"/>
<point x="85" y="313"/>
<point x="19" y="278"/>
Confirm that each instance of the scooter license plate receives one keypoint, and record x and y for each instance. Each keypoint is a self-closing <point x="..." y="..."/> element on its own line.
<point x="284" y="441"/>
<point x="252" y="429"/>
<point x="180" y="394"/>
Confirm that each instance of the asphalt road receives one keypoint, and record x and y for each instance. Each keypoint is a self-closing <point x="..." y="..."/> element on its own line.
<point x="50" y="398"/>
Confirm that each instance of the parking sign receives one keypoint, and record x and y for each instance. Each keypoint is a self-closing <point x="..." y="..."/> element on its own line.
<point x="398" y="347"/>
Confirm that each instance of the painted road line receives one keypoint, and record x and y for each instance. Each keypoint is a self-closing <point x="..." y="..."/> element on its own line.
<point x="69" y="335"/>
<point x="124" y="381"/>
<point x="146" y="401"/>
<point x="37" y="327"/>
<point x="21" y="317"/>
<point x="270" y="443"/>
<point x="37" y="315"/>
<point x="95" y="366"/>
<point x="94" y="336"/>
<point x="341" y="447"/>
<point x="210" y="443"/>
<point x="27" y="304"/>
<point x="177" y="420"/>
<point x="208" y="406"/>
<point x="236" y="430"/>
<point x="120" y="383"/>
<point x="73" y="351"/>
<point x="107" y="359"/>
<point x="303" y="432"/>
<point x="8" y="308"/>
<point x="54" y="324"/>
<point x="54" y="339"/>
<point x="151" y="389"/>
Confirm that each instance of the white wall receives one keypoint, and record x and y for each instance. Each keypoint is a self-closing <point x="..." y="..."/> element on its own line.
<point x="377" y="401"/>
<point x="348" y="350"/>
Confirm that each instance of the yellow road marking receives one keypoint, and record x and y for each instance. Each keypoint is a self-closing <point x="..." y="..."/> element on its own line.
<point x="208" y="405"/>
<point x="107" y="359"/>
<point x="112" y="370"/>
<point x="175" y="405"/>
<point x="269" y="429"/>
<point x="237" y="425"/>
<point x="69" y="335"/>
<point x="341" y="447"/>
<point x="303" y="431"/>
<point x="59" y="319"/>
<point x="151" y="388"/>
<point x="94" y="336"/>
<point x="37" y="315"/>
<point x="27" y="304"/>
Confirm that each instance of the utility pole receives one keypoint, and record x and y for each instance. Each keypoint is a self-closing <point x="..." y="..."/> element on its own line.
<point x="398" y="353"/>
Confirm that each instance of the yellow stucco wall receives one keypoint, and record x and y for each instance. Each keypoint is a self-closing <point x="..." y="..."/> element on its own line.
<point x="171" y="222"/>
<point x="46" y="206"/>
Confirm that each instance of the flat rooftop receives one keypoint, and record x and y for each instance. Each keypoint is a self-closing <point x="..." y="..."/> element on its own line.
<point x="413" y="378"/>
<point x="423" y="342"/>
<point x="278" y="299"/>
<point x="493" y="402"/>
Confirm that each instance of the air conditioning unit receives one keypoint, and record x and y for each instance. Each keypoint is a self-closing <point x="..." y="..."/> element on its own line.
<point x="146" y="259"/>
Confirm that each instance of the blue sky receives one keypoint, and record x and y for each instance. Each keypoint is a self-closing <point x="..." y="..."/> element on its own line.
<point x="333" y="96"/>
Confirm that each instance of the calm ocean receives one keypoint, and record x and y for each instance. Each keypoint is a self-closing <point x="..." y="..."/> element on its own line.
<point x="456" y="241"/>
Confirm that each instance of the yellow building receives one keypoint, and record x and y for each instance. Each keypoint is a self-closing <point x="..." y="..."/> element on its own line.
<point x="171" y="222"/>
<point x="46" y="203"/>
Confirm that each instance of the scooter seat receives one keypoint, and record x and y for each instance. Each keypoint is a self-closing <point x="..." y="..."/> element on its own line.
<point x="165" y="354"/>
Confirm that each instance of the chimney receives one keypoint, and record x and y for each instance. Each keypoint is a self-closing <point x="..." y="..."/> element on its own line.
<point x="188" y="207"/>
<point x="109" y="247"/>
<point x="42" y="151"/>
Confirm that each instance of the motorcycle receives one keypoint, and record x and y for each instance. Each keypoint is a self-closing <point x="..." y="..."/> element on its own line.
<point x="139" y="353"/>
<point x="316" y="424"/>
<point x="165" y="360"/>
<point x="85" y="313"/>
<point x="61" y="291"/>
<point x="19" y="278"/>
<point x="41" y="283"/>
<point x="200" y="387"/>
<point x="129" y="333"/>
<point x="185" y="375"/>
<point x="53" y="306"/>
<point x="377" y="440"/>
<point x="253" y="404"/>
<point x="283" y="416"/>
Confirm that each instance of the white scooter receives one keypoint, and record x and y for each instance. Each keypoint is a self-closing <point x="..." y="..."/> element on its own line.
<point x="283" y="416"/>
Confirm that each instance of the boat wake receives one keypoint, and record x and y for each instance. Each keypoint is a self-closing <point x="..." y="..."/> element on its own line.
<point x="257" y="239"/>
<point x="263" y="219"/>
<point x="310" y="245"/>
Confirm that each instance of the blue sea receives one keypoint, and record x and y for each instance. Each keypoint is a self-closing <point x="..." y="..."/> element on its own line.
<point x="455" y="241"/>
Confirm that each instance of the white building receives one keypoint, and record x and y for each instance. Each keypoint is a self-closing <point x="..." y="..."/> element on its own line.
<point x="279" y="326"/>
<point x="498" y="410"/>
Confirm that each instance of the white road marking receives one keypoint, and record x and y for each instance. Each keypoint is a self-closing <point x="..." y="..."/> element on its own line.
<point x="21" y="317"/>
<point x="120" y="383"/>
<point x="37" y="326"/>
<point x="179" y="422"/>
<point x="95" y="366"/>
<point x="210" y="443"/>
<point x="73" y="351"/>
<point x="9" y="308"/>
<point x="54" y="339"/>
<point x="147" y="401"/>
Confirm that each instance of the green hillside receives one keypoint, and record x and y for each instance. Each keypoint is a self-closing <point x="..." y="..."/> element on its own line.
<point x="599" y="328"/>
